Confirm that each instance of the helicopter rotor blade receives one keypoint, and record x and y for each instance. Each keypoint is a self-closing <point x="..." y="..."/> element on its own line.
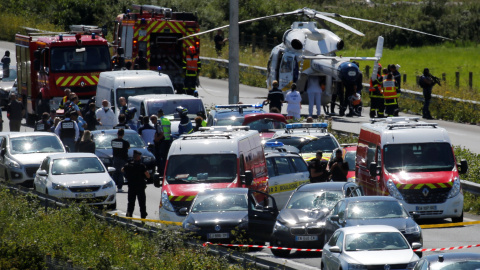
<point x="391" y="25"/>
<point x="298" y="11"/>
<point x="326" y="16"/>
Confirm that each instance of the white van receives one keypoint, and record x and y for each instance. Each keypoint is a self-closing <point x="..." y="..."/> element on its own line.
<point x="127" y="83"/>
<point x="150" y="104"/>
<point x="214" y="157"/>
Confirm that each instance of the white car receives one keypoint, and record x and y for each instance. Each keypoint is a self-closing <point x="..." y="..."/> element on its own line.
<point x="369" y="247"/>
<point x="77" y="177"/>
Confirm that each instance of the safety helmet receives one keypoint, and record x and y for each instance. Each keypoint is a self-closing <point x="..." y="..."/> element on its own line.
<point x="191" y="50"/>
<point x="182" y="111"/>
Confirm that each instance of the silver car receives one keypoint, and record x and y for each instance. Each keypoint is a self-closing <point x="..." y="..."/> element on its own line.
<point x="368" y="247"/>
<point x="22" y="152"/>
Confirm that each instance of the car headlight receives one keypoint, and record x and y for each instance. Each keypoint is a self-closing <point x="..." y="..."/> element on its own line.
<point x="11" y="163"/>
<point x="166" y="202"/>
<point x="58" y="186"/>
<point x="412" y="230"/>
<point x="455" y="188"/>
<point x="190" y="226"/>
<point x="280" y="227"/>
<point x="148" y="159"/>
<point x="393" y="190"/>
<point x="108" y="185"/>
<point x="354" y="266"/>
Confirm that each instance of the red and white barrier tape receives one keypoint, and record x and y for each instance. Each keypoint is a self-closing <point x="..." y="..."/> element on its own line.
<point x="320" y="250"/>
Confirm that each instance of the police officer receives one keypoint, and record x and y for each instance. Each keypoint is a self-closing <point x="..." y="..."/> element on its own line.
<point x="192" y="67"/>
<point x="185" y="126"/>
<point x="337" y="167"/>
<point x="136" y="172"/>
<point x="43" y="124"/>
<point x="122" y="122"/>
<point x="122" y="105"/>
<point x="163" y="140"/>
<point x="68" y="131"/>
<point x="318" y="169"/>
<point x="120" y="157"/>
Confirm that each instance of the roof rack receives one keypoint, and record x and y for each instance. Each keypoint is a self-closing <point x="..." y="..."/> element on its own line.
<point x="394" y="119"/>
<point x="85" y="29"/>
<point x="239" y="107"/>
<point x="401" y="125"/>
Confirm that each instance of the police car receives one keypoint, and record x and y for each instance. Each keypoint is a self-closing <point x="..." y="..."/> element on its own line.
<point x="286" y="171"/>
<point x="232" y="114"/>
<point x="308" y="138"/>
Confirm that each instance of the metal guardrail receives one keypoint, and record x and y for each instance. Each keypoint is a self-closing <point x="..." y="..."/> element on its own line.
<point x="471" y="187"/>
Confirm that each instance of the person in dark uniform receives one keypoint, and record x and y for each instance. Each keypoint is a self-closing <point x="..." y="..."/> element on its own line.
<point x="43" y="124"/>
<point x="275" y="97"/>
<point x="337" y="167"/>
<point x="91" y="118"/>
<point x="122" y="105"/>
<point x="318" y="169"/>
<point x="86" y="144"/>
<point x="120" y="157"/>
<point x="122" y="122"/>
<point x="136" y="172"/>
<point x="68" y="132"/>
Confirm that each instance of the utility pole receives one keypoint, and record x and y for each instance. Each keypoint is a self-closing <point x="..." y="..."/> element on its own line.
<point x="233" y="55"/>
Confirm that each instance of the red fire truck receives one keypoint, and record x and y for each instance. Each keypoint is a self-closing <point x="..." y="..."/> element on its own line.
<point x="49" y="63"/>
<point x="155" y="31"/>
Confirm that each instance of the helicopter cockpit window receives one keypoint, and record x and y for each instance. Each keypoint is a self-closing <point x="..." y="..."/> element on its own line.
<point x="287" y="64"/>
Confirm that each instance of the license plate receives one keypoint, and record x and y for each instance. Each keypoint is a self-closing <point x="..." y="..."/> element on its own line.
<point x="85" y="195"/>
<point x="217" y="235"/>
<point x="426" y="208"/>
<point x="306" y="238"/>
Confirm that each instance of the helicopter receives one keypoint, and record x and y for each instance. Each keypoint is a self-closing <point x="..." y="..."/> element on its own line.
<point x="307" y="51"/>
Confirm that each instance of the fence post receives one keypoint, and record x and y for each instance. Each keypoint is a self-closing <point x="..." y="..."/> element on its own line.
<point x="367" y="71"/>
<point x="470" y="79"/>
<point x="254" y="40"/>
<point x="404" y="78"/>
<point x="70" y="264"/>
<point x="242" y="38"/>
<point x="457" y="79"/>
<point x="265" y="42"/>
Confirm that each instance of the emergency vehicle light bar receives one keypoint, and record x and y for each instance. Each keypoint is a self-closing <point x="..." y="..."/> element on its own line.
<point x="306" y="125"/>
<point x="391" y="126"/>
<point x="395" y="119"/>
<point x="224" y="128"/>
<point x="85" y="29"/>
<point x="274" y="144"/>
<point x="233" y="106"/>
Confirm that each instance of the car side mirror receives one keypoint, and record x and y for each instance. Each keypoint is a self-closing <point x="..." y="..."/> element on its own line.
<point x="183" y="211"/>
<point x="151" y="148"/>
<point x="416" y="245"/>
<point x="111" y="169"/>
<point x="463" y="166"/>
<point x="335" y="249"/>
<point x="373" y="169"/>
<point x="335" y="218"/>
<point x="67" y="148"/>
<point x="247" y="178"/>
<point x="42" y="173"/>
<point x="157" y="180"/>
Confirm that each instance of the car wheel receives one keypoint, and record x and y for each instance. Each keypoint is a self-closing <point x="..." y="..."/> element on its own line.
<point x="458" y="219"/>
<point x="279" y="252"/>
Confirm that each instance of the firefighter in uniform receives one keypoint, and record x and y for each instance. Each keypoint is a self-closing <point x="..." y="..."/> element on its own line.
<point x="136" y="172"/>
<point x="65" y="99"/>
<point x="390" y="95"/>
<point x="185" y="126"/>
<point x="163" y="140"/>
<point x="376" y="96"/>
<point x="43" y="124"/>
<point x="192" y="66"/>
<point x="68" y="131"/>
<point x="120" y="157"/>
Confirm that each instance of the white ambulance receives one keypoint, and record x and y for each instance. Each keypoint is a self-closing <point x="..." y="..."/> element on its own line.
<point x="414" y="162"/>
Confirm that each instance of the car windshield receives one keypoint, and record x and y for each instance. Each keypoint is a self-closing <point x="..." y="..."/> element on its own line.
<point x="418" y="157"/>
<point x="310" y="145"/>
<point x="314" y="199"/>
<point x="78" y="165"/>
<point x="35" y="144"/>
<point x="104" y="140"/>
<point x="264" y="125"/>
<point x="230" y="121"/>
<point x="350" y="158"/>
<point x="456" y="265"/>
<point x="375" y="241"/>
<point x="375" y="209"/>
<point x="193" y="169"/>
<point x="80" y="59"/>
<point x="9" y="76"/>
<point x="137" y="91"/>
<point x="169" y="106"/>
<point x="220" y="202"/>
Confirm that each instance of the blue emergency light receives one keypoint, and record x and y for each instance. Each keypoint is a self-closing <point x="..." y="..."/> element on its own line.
<point x="306" y="125"/>
<point x="274" y="144"/>
<point x="230" y="106"/>
<point x="93" y="35"/>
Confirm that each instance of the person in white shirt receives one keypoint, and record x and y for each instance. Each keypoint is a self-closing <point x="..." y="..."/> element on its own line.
<point x="294" y="99"/>
<point x="106" y="116"/>
<point x="314" y="95"/>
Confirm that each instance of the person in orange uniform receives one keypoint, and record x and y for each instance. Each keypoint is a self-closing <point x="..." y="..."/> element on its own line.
<point x="192" y="66"/>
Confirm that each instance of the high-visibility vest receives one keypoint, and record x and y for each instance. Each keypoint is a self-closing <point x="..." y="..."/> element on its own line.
<point x="390" y="92"/>
<point x="374" y="86"/>
<point x="192" y="63"/>
<point x="167" y="128"/>
<point x="62" y="103"/>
